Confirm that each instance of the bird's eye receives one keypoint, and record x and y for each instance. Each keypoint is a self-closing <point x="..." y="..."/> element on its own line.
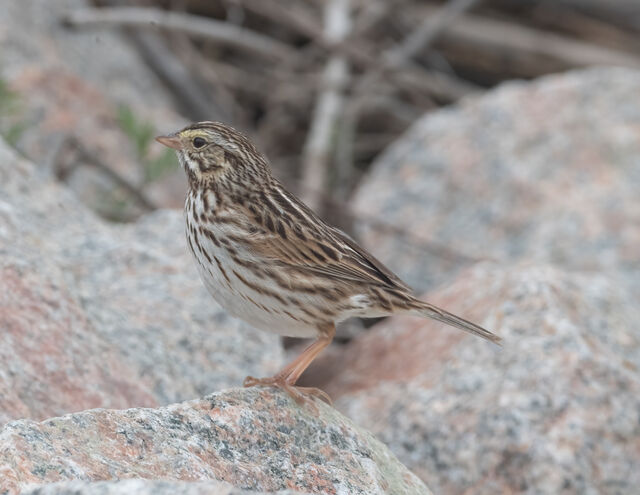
<point x="199" y="142"/>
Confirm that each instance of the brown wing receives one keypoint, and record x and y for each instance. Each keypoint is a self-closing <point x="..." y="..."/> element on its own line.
<point x="288" y="233"/>
<point x="363" y="257"/>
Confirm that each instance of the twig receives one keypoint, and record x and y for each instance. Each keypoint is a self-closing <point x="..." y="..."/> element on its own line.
<point x="261" y="81"/>
<point x="622" y="12"/>
<point x="507" y="37"/>
<point x="413" y="77"/>
<point x="419" y="39"/>
<point x="294" y="18"/>
<point x="428" y="31"/>
<point x="290" y="15"/>
<point x="578" y="24"/>
<point x="372" y="13"/>
<point x="441" y="85"/>
<point x="444" y="86"/>
<point x="191" y="96"/>
<point x="193" y="25"/>
<point x="316" y="153"/>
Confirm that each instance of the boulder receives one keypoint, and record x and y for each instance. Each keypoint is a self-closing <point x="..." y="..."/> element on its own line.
<point x="78" y="86"/>
<point x="106" y="315"/>
<point x="547" y="171"/>
<point x="34" y="36"/>
<point x="254" y="439"/>
<point x="519" y="210"/>
<point x="146" y="487"/>
<point x="555" y="410"/>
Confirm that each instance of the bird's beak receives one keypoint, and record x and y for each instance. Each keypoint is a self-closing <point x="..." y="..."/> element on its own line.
<point x="172" y="141"/>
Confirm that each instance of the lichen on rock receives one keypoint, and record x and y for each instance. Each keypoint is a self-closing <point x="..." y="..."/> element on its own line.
<point x="254" y="439"/>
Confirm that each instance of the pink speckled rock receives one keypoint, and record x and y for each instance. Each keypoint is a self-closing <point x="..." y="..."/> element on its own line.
<point x="100" y="315"/>
<point x="72" y="82"/>
<point x="45" y="334"/>
<point x="147" y="487"/>
<point x="541" y="177"/>
<point x="555" y="410"/>
<point x="254" y="439"/>
<point x="546" y="171"/>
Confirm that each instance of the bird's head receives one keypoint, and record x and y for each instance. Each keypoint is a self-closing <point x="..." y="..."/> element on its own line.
<point x="215" y="152"/>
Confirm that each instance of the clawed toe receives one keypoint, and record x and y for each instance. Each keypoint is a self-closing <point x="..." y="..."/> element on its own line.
<point x="253" y="382"/>
<point x="308" y="392"/>
<point x="300" y="394"/>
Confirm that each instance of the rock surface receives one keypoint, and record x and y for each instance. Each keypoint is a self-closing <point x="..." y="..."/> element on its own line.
<point x="115" y="316"/>
<point x="547" y="171"/>
<point x="556" y="410"/>
<point x="543" y="178"/>
<point x="255" y="439"/>
<point x="147" y="487"/>
<point x="98" y="315"/>
<point x="72" y="83"/>
<point x="33" y="36"/>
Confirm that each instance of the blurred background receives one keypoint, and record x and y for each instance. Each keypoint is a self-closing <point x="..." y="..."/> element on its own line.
<point x="487" y="151"/>
<point x="322" y="86"/>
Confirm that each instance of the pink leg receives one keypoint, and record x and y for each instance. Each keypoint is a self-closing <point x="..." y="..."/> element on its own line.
<point x="288" y="376"/>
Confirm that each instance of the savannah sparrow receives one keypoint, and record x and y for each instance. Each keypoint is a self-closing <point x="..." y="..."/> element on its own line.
<point x="270" y="261"/>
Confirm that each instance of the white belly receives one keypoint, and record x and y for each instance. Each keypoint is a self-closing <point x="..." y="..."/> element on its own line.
<point x="227" y="281"/>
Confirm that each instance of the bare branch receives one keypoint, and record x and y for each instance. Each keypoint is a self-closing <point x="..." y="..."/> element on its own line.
<point x="508" y="37"/>
<point x="290" y="15"/>
<point x="192" y="25"/>
<point x="411" y="77"/>
<point x="621" y="12"/>
<point x="317" y="148"/>
<point x="193" y="98"/>
<point x="433" y="25"/>
<point x="372" y="13"/>
<point x="443" y="86"/>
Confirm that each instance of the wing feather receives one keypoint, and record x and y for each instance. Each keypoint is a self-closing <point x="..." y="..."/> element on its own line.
<point x="305" y="242"/>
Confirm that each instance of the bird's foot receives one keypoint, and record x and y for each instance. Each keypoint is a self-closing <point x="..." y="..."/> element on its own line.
<point x="308" y="392"/>
<point x="300" y="394"/>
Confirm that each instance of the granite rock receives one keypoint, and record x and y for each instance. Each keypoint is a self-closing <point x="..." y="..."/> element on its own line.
<point x="52" y="359"/>
<point x="254" y="439"/>
<point x="555" y="410"/>
<point x="100" y="315"/>
<point x="547" y="171"/>
<point x="33" y="35"/>
<point x="146" y="487"/>
<point x="527" y="198"/>
<point x="72" y="84"/>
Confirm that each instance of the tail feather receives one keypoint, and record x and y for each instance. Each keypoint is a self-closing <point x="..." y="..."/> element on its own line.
<point x="425" y="309"/>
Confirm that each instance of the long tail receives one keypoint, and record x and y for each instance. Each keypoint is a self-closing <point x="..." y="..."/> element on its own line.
<point x="422" y="308"/>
